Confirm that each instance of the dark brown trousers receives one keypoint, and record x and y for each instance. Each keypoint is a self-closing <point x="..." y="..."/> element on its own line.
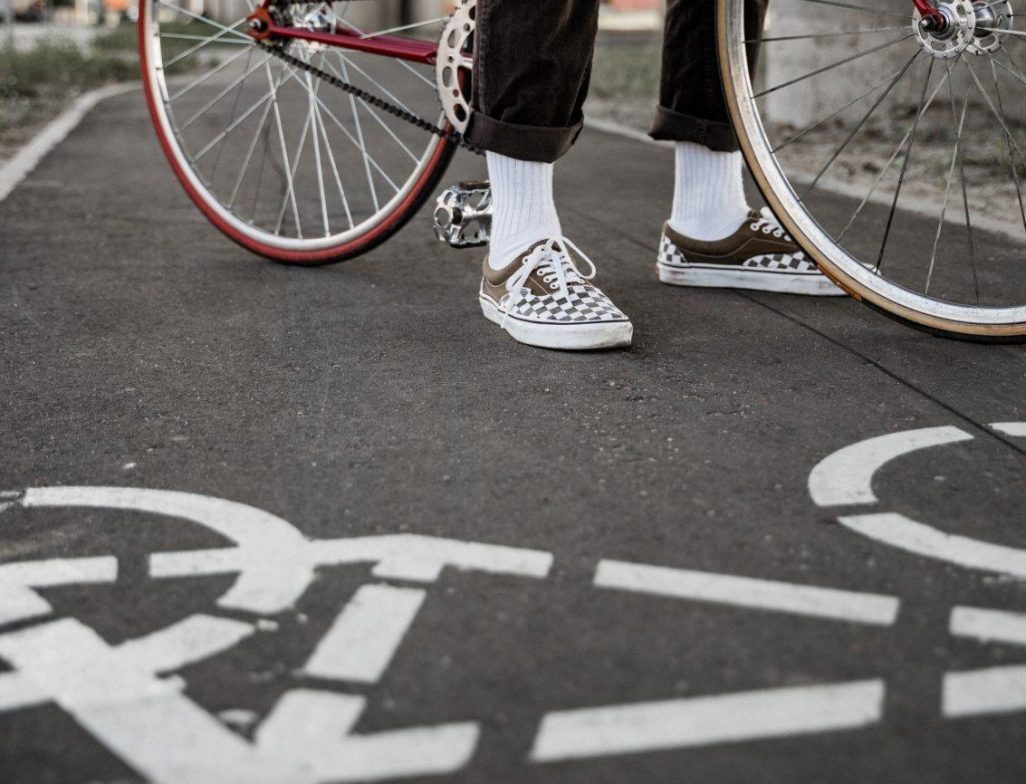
<point x="533" y="65"/>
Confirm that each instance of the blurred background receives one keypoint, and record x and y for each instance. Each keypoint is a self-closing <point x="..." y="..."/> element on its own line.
<point x="52" y="50"/>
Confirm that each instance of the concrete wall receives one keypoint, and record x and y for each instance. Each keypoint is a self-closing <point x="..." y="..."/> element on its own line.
<point x="821" y="95"/>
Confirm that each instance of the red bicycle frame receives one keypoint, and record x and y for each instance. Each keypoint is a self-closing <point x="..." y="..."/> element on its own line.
<point x="262" y="27"/>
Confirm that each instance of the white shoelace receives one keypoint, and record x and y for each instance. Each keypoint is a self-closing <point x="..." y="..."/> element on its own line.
<point x="554" y="266"/>
<point x="767" y="224"/>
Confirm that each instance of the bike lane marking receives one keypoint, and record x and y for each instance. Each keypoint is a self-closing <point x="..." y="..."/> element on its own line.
<point x="993" y="690"/>
<point x="904" y="533"/>
<point x="18" y="600"/>
<point x="1017" y="429"/>
<point x="158" y="730"/>
<point x="703" y="721"/>
<point x="275" y="573"/>
<point x="749" y="592"/>
<point x="845" y="477"/>
<point x="988" y="625"/>
<point x="364" y="637"/>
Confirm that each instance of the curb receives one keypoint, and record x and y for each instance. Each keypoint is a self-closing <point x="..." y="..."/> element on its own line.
<point x="53" y="133"/>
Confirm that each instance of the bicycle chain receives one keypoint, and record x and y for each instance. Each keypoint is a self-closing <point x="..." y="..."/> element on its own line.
<point x="373" y="100"/>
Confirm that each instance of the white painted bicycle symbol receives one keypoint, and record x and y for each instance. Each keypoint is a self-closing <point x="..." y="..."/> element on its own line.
<point x="128" y="696"/>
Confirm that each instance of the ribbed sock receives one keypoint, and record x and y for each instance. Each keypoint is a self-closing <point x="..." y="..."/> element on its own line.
<point x="709" y="195"/>
<point x="523" y="208"/>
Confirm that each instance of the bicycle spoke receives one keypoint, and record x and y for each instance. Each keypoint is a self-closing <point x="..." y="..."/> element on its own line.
<point x="206" y="38"/>
<point x="401" y="63"/>
<point x="356" y="142"/>
<point x="219" y="38"/>
<point x="864" y="9"/>
<point x="904" y="166"/>
<point x="290" y="193"/>
<point x="334" y="166"/>
<point x="317" y="159"/>
<point x="1013" y="33"/>
<point x="207" y="75"/>
<point x="362" y="145"/>
<point x="861" y="124"/>
<point x="824" y="35"/>
<point x="235" y="124"/>
<point x="303" y="135"/>
<point x="1013" y="71"/>
<point x="249" y="150"/>
<point x="378" y="120"/>
<point x="345" y="131"/>
<point x="829" y="117"/>
<point x="993" y="109"/>
<point x="887" y="167"/>
<point x="405" y="27"/>
<point x="830" y="67"/>
<point x="217" y="98"/>
<point x="1008" y="143"/>
<point x="960" y="125"/>
<point x="377" y="85"/>
<point x="231" y="119"/>
<point x="965" y="203"/>
<point x="205" y="20"/>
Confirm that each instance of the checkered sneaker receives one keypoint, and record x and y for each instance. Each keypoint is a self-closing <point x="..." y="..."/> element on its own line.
<point x="760" y="255"/>
<point x="542" y="298"/>
<point x="791" y="262"/>
<point x="582" y="303"/>
<point x="669" y="253"/>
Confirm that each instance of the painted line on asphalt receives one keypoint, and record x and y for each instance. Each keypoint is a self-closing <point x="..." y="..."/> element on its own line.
<point x="704" y="721"/>
<point x="901" y="532"/>
<point x="749" y="592"/>
<point x="988" y="625"/>
<point x="983" y="692"/>
<point x="846" y="476"/>
<point x="1016" y="429"/>
<point x="28" y="157"/>
<point x="361" y="642"/>
<point x="18" y="600"/>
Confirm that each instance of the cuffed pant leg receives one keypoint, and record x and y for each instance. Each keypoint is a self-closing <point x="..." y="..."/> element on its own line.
<point x="532" y="66"/>
<point x="691" y="103"/>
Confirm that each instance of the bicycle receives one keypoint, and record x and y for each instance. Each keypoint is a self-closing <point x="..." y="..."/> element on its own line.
<point x="359" y="165"/>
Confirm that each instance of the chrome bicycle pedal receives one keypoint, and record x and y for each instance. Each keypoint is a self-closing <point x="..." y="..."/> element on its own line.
<point x="463" y="214"/>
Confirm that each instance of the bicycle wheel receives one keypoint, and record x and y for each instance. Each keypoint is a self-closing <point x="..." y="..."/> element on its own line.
<point x="285" y="164"/>
<point x="891" y="146"/>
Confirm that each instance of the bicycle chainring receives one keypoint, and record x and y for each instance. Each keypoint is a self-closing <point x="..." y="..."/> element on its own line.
<point x="452" y="134"/>
<point x="455" y="64"/>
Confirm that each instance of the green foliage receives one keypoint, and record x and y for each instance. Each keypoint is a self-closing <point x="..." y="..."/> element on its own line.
<point x="54" y="68"/>
<point x="626" y="67"/>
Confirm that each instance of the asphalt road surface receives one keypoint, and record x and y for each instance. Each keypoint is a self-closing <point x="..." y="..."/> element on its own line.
<point x="261" y="570"/>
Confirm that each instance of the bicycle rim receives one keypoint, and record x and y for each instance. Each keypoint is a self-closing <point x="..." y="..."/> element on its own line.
<point x="944" y="273"/>
<point x="290" y="168"/>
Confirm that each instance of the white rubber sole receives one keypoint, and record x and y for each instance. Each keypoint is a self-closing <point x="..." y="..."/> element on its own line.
<point x="811" y="284"/>
<point x="565" y="337"/>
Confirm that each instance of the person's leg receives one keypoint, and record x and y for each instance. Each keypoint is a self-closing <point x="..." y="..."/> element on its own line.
<point x="713" y="238"/>
<point x="532" y="64"/>
<point x="709" y="201"/>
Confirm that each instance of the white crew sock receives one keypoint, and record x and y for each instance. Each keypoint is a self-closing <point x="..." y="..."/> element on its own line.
<point x="523" y="209"/>
<point x="709" y="195"/>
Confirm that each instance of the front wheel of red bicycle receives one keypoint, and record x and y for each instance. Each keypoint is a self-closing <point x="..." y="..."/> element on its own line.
<point x="286" y="165"/>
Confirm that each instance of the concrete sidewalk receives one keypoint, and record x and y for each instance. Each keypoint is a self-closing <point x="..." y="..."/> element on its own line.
<point x="142" y="349"/>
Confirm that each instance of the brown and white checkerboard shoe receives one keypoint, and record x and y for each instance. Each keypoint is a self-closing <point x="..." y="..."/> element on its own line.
<point x="759" y="256"/>
<point x="543" y="299"/>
